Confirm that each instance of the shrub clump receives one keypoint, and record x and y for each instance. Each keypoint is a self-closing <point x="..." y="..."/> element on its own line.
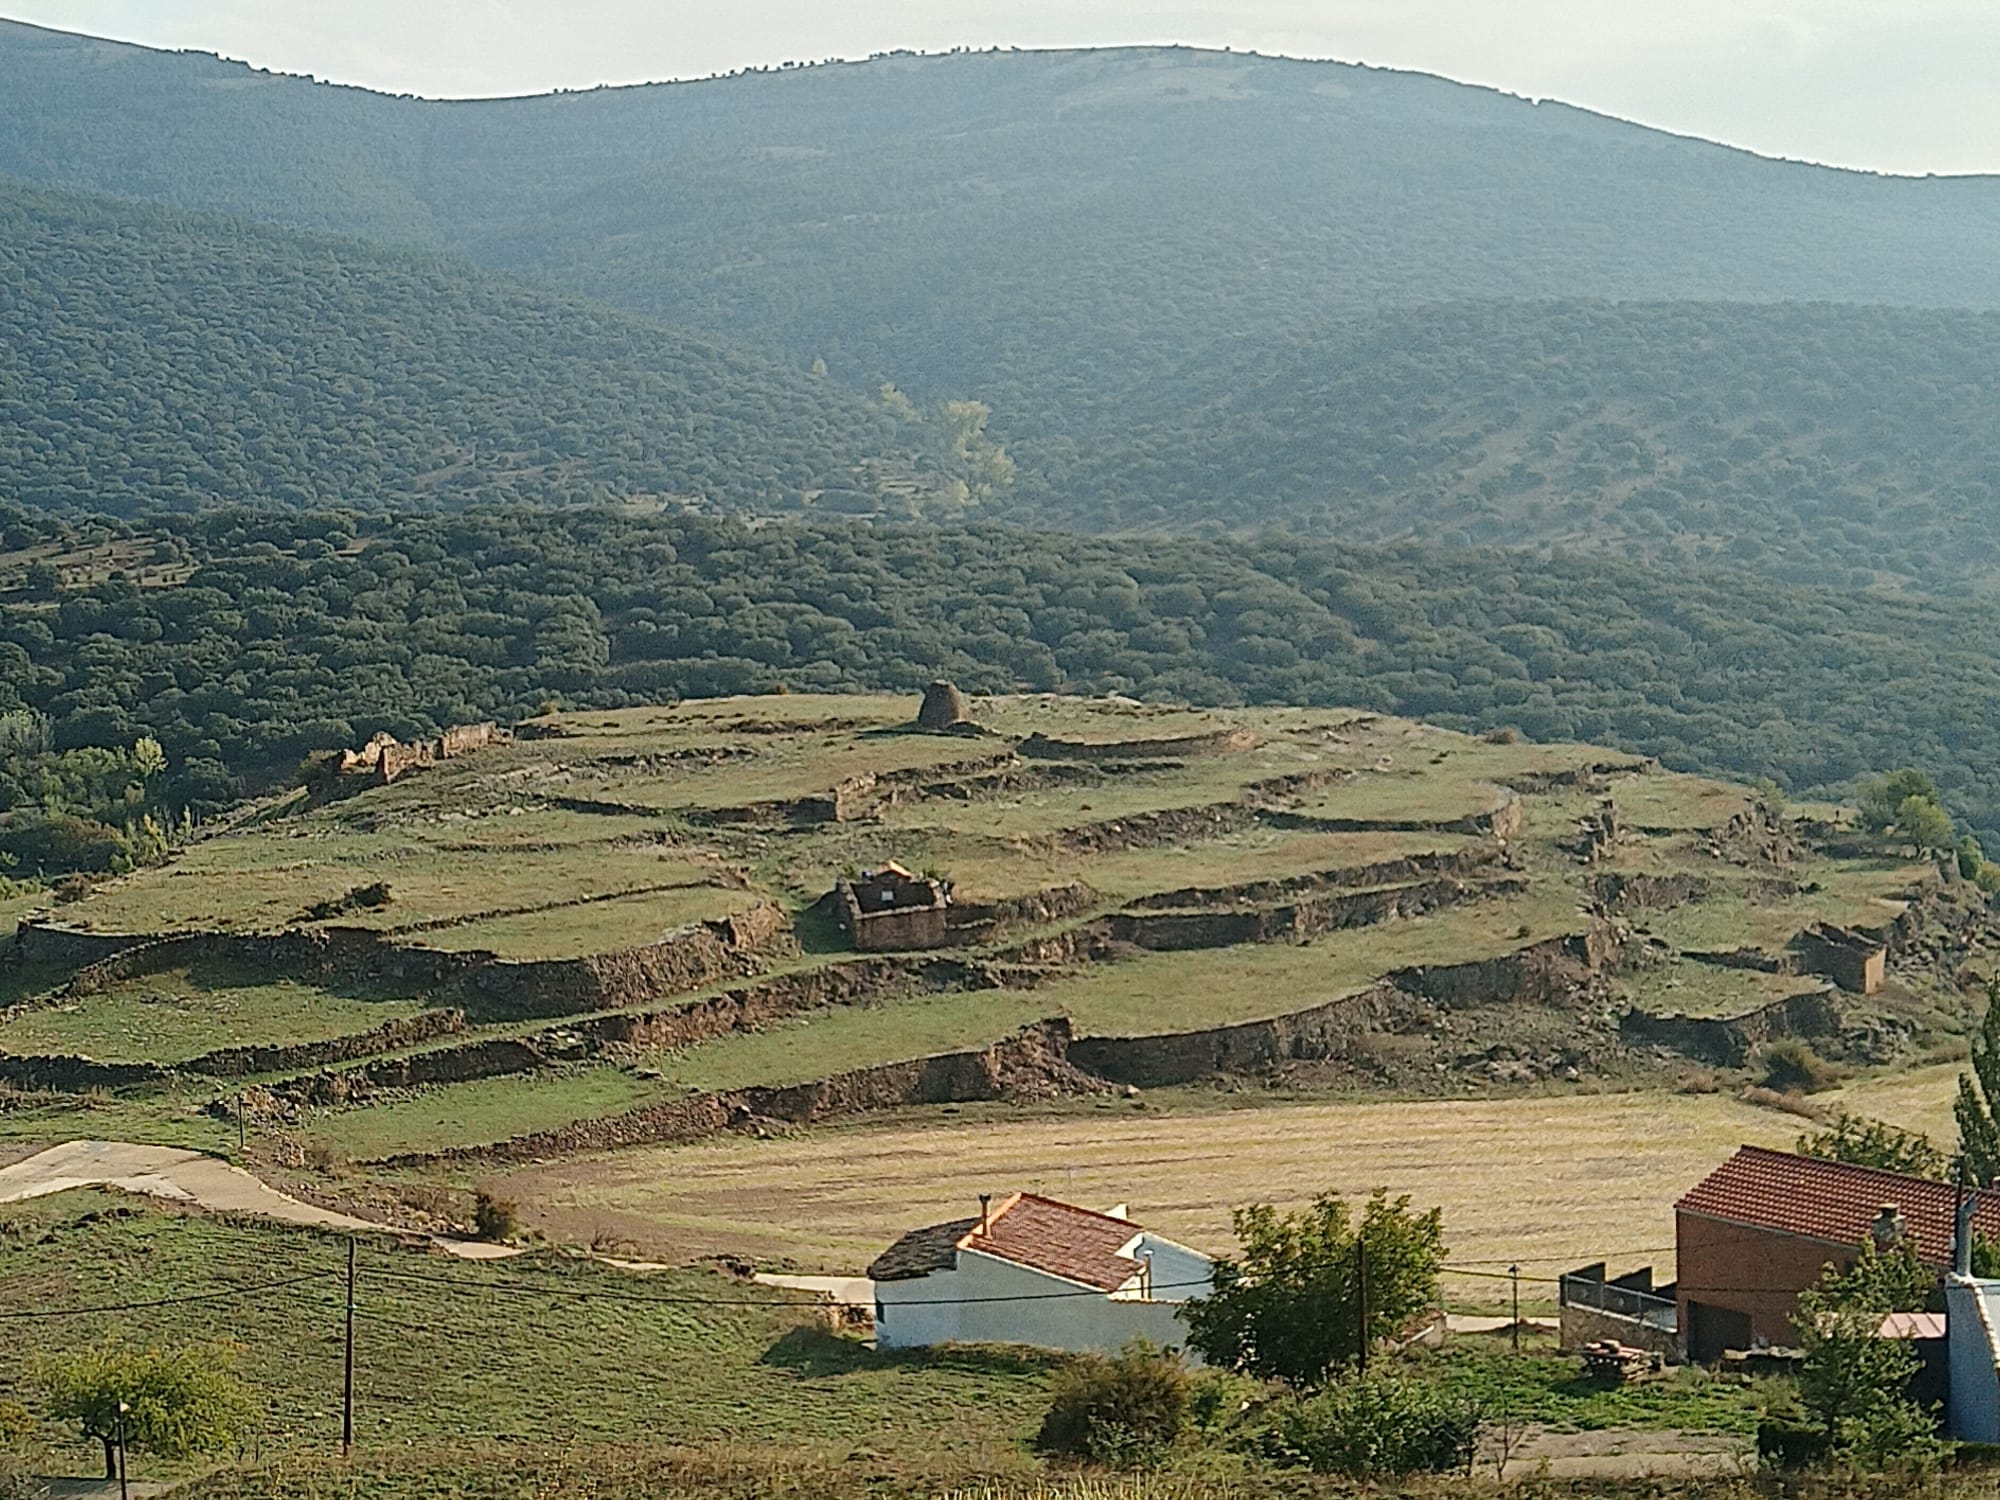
<point x="495" y="1218"/>
<point x="1124" y="1410"/>
<point x="1791" y="1066"/>
<point x="1377" y="1425"/>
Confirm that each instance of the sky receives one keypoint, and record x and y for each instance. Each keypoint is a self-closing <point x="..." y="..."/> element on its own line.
<point x="1890" y="85"/>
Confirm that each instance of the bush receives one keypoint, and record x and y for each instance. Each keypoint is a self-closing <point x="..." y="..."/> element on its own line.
<point x="1378" y="1425"/>
<point x="1783" y="1443"/>
<point x="1791" y="1065"/>
<point x="495" y="1218"/>
<point x="1123" y="1410"/>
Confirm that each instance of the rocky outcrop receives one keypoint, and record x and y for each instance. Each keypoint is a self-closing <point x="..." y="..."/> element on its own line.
<point x="1551" y="972"/>
<point x="1728" y="1041"/>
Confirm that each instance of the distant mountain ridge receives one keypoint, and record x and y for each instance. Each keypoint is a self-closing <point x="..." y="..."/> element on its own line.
<point x="1201" y="291"/>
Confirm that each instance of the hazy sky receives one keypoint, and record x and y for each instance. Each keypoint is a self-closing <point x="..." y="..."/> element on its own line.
<point x="1898" y="85"/>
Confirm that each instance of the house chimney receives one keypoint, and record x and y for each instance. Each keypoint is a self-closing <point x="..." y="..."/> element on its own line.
<point x="985" y="1212"/>
<point x="1961" y="1235"/>
<point x="1887" y="1230"/>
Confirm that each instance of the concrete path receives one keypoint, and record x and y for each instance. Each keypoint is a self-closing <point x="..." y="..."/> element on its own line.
<point x="1478" y="1323"/>
<point x="842" y="1291"/>
<point x="189" y="1177"/>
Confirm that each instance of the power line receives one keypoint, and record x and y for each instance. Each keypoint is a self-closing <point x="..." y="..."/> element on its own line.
<point x="623" y="1296"/>
<point x="117" y="1307"/>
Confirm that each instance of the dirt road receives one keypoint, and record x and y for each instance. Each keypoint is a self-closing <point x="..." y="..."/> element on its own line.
<point x="185" y="1177"/>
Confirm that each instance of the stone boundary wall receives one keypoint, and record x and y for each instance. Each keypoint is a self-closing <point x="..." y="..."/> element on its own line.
<point x="1318" y="1032"/>
<point x="1384" y="872"/>
<point x="1210" y="742"/>
<point x="1549" y="972"/>
<point x="1179" y="931"/>
<point x="77" y="1075"/>
<point x="690" y="958"/>
<point x="1030" y="1063"/>
<point x="1585" y="1325"/>
<point x="1728" y="1041"/>
<point x="1618" y="894"/>
<point x="741" y="1008"/>
<point x="390" y="1036"/>
<point x="977" y="922"/>
<point x="1046" y="1060"/>
<point x="855" y="797"/>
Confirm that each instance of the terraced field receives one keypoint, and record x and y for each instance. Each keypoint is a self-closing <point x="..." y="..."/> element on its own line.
<point x="610" y="931"/>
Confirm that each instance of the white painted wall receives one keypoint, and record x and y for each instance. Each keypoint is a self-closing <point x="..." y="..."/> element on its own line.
<point x="1972" y="1316"/>
<point x="946" y="1307"/>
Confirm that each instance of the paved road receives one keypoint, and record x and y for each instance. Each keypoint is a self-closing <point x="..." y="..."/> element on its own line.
<point x="186" y="1177"/>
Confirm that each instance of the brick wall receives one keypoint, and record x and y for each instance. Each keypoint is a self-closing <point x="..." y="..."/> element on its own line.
<point x="1757" y="1273"/>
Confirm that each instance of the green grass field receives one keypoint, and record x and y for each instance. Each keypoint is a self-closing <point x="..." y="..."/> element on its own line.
<point x="542" y="1349"/>
<point x="173" y="1016"/>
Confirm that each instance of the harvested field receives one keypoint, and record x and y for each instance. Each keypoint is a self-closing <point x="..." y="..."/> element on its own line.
<point x="1550" y="1182"/>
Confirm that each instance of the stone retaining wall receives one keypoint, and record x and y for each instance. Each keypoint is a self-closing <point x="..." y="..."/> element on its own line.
<point x="1729" y="1041"/>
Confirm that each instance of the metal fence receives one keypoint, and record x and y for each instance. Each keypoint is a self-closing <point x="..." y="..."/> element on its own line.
<point x="1622" y="1301"/>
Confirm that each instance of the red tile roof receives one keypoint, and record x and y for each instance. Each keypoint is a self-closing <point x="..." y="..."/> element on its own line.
<point x="1060" y="1239"/>
<point x="1833" y="1202"/>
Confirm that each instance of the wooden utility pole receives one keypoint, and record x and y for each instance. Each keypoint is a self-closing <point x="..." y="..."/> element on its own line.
<point x="347" y="1379"/>
<point x="1515" y="1272"/>
<point x="1361" y="1301"/>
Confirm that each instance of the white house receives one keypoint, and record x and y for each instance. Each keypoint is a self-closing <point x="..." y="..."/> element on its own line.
<point x="1972" y="1344"/>
<point x="1030" y="1270"/>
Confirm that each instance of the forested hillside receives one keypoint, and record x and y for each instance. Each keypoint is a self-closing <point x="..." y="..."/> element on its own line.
<point x="1818" y="443"/>
<point x="1200" y="292"/>
<point x="290" y="633"/>
<point x="160" y="358"/>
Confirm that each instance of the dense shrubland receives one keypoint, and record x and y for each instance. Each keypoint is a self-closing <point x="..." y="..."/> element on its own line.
<point x="297" y="632"/>
<point x="158" y="359"/>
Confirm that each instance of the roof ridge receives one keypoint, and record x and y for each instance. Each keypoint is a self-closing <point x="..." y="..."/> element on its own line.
<point x="987" y="1219"/>
<point x="1076" y="1208"/>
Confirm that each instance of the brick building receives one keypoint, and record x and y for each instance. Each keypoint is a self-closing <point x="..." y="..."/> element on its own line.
<point x="1758" y="1230"/>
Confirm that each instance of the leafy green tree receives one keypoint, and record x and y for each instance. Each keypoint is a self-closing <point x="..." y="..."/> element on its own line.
<point x="1290" y="1307"/>
<point x="1923" y="822"/>
<point x="1881" y="800"/>
<point x="1863" y="1142"/>
<point x="176" y="1402"/>
<point x="1852" y="1381"/>
<point x="1978" y="1091"/>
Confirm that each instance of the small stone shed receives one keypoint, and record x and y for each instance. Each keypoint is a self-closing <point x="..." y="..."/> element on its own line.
<point x="892" y="909"/>
<point x="1855" y="961"/>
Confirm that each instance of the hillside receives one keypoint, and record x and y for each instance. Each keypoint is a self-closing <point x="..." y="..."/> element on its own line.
<point x="247" y="649"/>
<point x="616" y="972"/>
<point x="610" y="931"/>
<point x="1200" y="291"/>
<point x="1817" y="443"/>
<point x="156" y="358"/>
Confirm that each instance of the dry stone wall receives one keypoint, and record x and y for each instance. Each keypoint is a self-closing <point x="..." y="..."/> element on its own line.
<point x="1729" y="1041"/>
